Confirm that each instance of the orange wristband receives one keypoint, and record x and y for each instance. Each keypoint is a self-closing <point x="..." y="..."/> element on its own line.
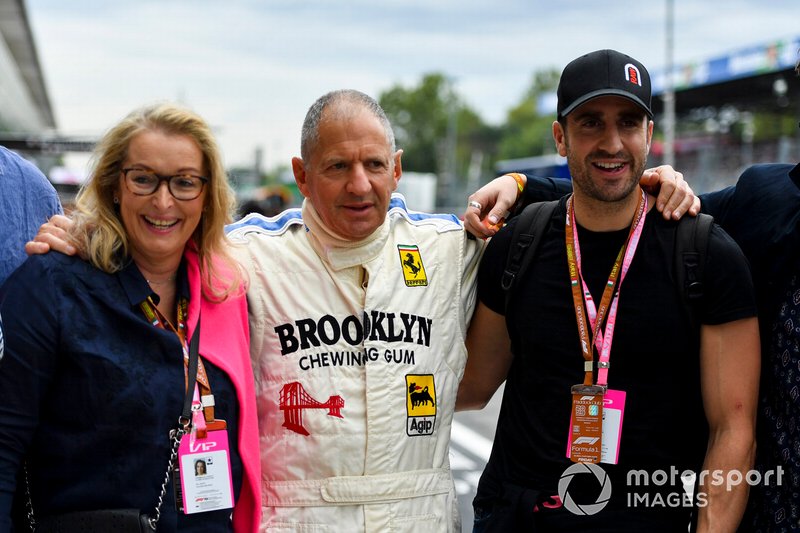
<point x="520" y="183"/>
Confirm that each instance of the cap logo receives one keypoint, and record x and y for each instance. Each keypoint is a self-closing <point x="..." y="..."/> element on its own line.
<point x="632" y="74"/>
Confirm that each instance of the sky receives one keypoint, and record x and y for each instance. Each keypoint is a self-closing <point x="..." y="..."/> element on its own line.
<point x="252" y="68"/>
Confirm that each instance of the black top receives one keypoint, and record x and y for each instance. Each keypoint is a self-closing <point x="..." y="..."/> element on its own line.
<point x="654" y="357"/>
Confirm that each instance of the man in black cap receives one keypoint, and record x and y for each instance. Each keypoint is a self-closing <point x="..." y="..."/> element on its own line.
<point x="612" y="396"/>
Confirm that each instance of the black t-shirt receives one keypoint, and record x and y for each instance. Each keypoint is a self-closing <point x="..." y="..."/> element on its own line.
<point x="654" y="357"/>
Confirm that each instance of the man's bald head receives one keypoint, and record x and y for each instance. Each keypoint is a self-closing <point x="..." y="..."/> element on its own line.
<point x="339" y="105"/>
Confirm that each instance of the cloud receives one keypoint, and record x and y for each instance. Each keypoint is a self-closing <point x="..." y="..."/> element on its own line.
<point x="252" y="67"/>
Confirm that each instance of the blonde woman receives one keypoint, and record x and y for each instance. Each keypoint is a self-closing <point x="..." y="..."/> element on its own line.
<point x="97" y="353"/>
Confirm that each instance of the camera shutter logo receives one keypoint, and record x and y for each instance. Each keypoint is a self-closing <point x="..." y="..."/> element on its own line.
<point x="579" y="469"/>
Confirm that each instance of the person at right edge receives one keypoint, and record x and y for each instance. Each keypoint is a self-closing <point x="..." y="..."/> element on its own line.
<point x="689" y="388"/>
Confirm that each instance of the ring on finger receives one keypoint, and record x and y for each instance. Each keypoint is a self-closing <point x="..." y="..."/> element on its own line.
<point x="476" y="205"/>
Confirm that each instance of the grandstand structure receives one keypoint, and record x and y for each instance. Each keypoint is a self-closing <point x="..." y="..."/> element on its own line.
<point x="24" y="102"/>
<point x="27" y="120"/>
<point x="733" y="111"/>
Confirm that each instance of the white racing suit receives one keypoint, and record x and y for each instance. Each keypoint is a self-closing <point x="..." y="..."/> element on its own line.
<point x="357" y="354"/>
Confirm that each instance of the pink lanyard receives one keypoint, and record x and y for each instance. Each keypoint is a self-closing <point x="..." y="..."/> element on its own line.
<point x="602" y="339"/>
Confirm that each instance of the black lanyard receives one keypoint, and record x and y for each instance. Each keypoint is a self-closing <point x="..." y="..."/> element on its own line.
<point x="191" y="382"/>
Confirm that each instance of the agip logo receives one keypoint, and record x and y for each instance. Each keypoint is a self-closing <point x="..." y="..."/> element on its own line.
<point x="411" y="263"/>
<point x="420" y="404"/>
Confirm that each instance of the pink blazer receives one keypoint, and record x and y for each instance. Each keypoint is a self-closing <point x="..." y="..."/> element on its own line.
<point x="225" y="342"/>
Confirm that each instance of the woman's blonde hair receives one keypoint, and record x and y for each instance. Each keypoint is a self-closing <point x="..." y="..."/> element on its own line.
<point x="98" y="228"/>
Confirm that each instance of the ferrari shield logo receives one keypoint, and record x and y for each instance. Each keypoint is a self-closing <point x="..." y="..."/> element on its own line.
<point x="420" y="404"/>
<point x="411" y="263"/>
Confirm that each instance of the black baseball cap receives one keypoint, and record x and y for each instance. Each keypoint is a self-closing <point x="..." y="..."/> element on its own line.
<point x="603" y="73"/>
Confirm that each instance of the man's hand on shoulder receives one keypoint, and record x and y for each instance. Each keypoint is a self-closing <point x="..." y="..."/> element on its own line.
<point x="52" y="235"/>
<point x="489" y="206"/>
<point x="674" y="196"/>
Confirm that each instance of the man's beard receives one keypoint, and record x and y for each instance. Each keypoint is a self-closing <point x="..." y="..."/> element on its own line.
<point x="582" y="178"/>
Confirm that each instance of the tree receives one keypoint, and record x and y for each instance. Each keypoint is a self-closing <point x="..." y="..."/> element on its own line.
<point x="420" y="116"/>
<point x="438" y="132"/>
<point x="527" y="131"/>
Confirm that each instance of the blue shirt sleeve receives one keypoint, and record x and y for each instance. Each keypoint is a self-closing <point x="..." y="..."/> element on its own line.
<point x="26" y="202"/>
<point x="539" y="189"/>
<point x="717" y="204"/>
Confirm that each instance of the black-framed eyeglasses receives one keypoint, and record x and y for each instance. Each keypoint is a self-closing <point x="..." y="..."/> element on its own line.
<point x="181" y="187"/>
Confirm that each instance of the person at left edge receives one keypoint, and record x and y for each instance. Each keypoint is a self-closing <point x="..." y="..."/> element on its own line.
<point x="94" y="366"/>
<point x="26" y="200"/>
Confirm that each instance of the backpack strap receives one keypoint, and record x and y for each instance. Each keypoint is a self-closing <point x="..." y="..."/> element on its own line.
<point x="691" y="250"/>
<point x="525" y="239"/>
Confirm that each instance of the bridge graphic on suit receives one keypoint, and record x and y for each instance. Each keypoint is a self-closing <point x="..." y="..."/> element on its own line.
<point x="294" y="399"/>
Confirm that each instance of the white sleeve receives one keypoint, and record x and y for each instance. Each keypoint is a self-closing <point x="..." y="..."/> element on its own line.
<point x="471" y="258"/>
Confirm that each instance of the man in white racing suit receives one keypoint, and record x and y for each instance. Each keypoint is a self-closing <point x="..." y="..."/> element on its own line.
<point x="358" y="325"/>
